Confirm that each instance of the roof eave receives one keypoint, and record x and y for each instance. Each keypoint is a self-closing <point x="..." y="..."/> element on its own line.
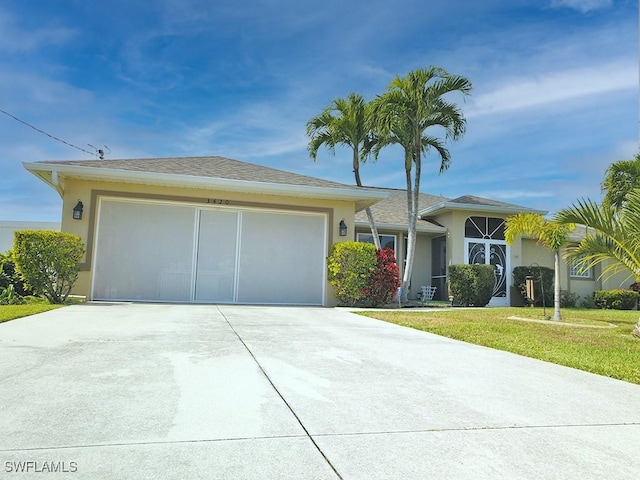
<point x="362" y="198"/>
<point x="403" y="226"/>
<point x="446" y="206"/>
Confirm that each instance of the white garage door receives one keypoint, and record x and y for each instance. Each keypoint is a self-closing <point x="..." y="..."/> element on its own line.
<point x="152" y="251"/>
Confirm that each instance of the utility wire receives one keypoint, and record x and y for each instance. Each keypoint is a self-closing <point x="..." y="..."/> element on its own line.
<point x="48" y="135"/>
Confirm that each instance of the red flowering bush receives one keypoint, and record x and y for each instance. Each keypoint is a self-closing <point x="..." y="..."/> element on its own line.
<point x="361" y="275"/>
<point x="384" y="280"/>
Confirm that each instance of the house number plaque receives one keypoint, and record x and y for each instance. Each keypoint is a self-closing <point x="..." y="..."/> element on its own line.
<point x="218" y="201"/>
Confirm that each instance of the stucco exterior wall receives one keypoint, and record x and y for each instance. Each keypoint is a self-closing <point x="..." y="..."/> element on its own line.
<point x="90" y="192"/>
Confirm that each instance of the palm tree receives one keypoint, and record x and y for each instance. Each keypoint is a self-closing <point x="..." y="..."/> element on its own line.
<point x="612" y="235"/>
<point x="551" y="234"/>
<point x="346" y="122"/>
<point x="620" y="178"/>
<point x="411" y="106"/>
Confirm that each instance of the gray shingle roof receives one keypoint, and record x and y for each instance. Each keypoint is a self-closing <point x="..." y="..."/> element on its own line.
<point x="212" y="167"/>
<point x="393" y="209"/>
<point x="473" y="200"/>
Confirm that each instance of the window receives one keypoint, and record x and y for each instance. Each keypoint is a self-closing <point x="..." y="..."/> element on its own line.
<point x="484" y="227"/>
<point x="386" y="241"/>
<point x="575" y="272"/>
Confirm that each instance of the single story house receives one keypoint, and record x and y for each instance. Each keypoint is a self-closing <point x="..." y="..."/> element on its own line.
<point x="216" y="230"/>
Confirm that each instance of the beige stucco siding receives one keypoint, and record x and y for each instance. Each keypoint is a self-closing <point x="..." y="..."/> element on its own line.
<point x="90" y="192"/>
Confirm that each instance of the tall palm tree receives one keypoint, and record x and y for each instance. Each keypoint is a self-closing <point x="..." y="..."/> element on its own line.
<point x="411" y="113"/>
<point x="551" y="234"/>
<point x="620" y="178"/>
<point x="346" y="122"/>
<point x="612" y="235"/>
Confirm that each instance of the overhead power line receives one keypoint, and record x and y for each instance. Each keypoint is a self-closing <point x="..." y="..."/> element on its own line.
<point x="48" y="134"/>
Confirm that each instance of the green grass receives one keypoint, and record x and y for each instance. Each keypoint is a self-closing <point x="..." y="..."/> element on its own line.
<point x="610" y="352"/>
<point x="11" y="312"/>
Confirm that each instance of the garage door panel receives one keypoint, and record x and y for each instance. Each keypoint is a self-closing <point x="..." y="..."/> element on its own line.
<point x="217" y="251"/>
<point x="281" y="258"/>
<point x="144" y="252"/>
<point x="152" y="251"/>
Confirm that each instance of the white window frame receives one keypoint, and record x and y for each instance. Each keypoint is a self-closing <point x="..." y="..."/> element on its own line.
<point x="574" y="272"/>
<point x="359" y="237"/>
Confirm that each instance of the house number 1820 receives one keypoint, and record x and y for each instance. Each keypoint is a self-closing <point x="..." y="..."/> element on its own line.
<point x="218" y="201"/>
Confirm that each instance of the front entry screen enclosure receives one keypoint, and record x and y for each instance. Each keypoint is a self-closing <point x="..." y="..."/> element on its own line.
<point x="151" y="251"/>
<point x="485" y="244"/>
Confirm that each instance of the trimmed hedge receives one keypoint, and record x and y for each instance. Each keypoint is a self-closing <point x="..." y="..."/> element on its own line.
<point x="48" y="261"/>
<point x="350" y="266"/>
<point x="471" y="284"/>
<point x="615" y="299"/>
<point x="519" y="281"/>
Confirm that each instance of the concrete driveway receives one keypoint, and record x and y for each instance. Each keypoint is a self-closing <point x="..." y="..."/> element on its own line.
<point x="234" y="392"/>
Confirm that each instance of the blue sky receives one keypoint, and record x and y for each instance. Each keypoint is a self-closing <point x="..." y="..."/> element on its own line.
<point x="555" y="97"/>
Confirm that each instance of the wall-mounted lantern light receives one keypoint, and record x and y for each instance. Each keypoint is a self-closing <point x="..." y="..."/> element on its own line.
<point x="343" y="228"/>
<point x="77" y="211"/>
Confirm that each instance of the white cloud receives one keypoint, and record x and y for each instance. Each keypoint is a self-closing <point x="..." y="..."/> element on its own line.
<point x="557" y="87"/>
<point x="583" y="6"/>
<point x="17" y="39"/>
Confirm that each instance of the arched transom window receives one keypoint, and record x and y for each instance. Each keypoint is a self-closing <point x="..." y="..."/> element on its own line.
<point x="489" y="228"/>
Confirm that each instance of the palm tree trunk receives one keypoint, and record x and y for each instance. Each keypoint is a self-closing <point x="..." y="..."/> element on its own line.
<point x="406" y="274"/>
<point x="556" y="288"/>
<point x="412" y="199"/>
<point x="372" y="223"/>
<point x="374" y="230"/>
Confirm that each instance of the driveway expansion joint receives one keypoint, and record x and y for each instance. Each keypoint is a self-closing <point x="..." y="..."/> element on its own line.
<point x="469" y="429"/>
<point x="266" y="375"/>
<point x="157" y="442"/>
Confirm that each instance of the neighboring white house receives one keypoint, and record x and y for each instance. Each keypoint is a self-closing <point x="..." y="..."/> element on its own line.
<point x="7" y="227"/>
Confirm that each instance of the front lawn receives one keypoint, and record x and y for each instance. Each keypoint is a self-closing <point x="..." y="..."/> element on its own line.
<point x="612" y="352"/>
<point x="11" y="312"/>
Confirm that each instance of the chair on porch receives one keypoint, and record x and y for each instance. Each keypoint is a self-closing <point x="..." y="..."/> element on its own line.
<point x="426" y="295"/>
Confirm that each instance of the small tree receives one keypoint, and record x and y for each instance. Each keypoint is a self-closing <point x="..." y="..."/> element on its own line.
<point x="48" y="261"/>
<point x="551" y="234"/>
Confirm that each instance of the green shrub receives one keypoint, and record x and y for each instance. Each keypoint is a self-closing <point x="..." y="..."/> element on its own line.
<point x="587" y="302"/>
<point x="520" y="275"/>
<point x="471" y="284"/>
<point x="568" y="299"/>
<point x="350" y="265"/>
<point x="615" y="299"/>
<point x="8" y="296"/>
<point x="48" y="261"/>
<point x="9" y="275"/>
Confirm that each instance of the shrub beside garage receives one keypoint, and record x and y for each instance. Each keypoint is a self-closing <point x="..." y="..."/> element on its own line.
<point x="362" y="275"/>
<point x="48" y="262"/>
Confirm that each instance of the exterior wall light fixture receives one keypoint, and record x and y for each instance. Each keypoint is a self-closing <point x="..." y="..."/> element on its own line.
<point x="343" y="228"/>
<point x="77" y="211"/>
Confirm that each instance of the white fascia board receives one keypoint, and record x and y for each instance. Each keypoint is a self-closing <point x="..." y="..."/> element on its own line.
<point x="473" y="207"/>
<point x="366" y="197"/>
<point x="403" y="227"/>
